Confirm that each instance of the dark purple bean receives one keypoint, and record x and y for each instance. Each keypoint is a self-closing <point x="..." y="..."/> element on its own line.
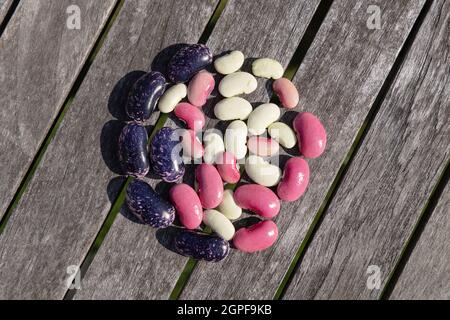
<point x="188" y="61"/>
<point x="201" y="246"/>
<point x="165" y="156"/>
<point x="133" y="150"/>
<point x="148" y="205"/>
<point x="145" y="95"/>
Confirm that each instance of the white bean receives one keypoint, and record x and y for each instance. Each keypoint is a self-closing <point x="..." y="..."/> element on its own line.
<point x="219" y="224"/>
<point x="237" y="83"/>
<point x="172" y="97"/>
<point x="232" y="108"/>
<point x="236" y="139"/>
<point x="228" y="207"/>
<point x="267" y="68"/>
<point x="282" y="133"/>
<point x="213" y="144"/>
<point x="262" y="117"/>
<point x="229" y="63"/>
<point x="262" y="172"/>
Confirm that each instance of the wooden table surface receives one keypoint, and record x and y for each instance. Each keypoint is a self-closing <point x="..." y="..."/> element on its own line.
<point x="374" y="222"/>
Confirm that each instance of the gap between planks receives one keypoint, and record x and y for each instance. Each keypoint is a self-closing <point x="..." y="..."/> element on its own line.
<point x="60" y="116"/>
<point x="119" y="201"/>
<point x="362" y="132"/>
<point x="7" y="10"/>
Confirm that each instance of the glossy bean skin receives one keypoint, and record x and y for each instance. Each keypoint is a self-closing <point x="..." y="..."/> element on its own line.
<point x="133" y="152"/>
<point x="187" y="203"/>
<point x="287" y="93"/>
<point x="192" y="147"/>
<point x="210" y="186"/>
<point x="214" y="146"/>
<point x="258" y="199"/>
<point x="165" y="156"/>
<point x="144" y="96"/>
<point x="233" y="108"/>
<point x="219" y="224"/>
<point x="294" y="181"/>
<point x="230" y="62"/>
<point x="191" y="115"/>
<point x="200" y="87"/>
<point x="262" y="117"/>
<point x="201" y="246"/>
<point x="228" y="167"/>
<point x="148" y="205"/>
<point x="262" y="172"/>
<point x="228" y="206"/>
<point x="237" y="83"/>
<point x="188" y="61"/>
<point x="236" y="139"/>
<point x="283" y="134"/>
<point x="311" y="135"/>
<point x="257" y="237"/>
<point x="263" y="147"/>
<point x="172" y="97"/>
<point x="267" y="68"/>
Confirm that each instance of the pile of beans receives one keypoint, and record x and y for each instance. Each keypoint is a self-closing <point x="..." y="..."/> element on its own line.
<point x="209" y="203"/>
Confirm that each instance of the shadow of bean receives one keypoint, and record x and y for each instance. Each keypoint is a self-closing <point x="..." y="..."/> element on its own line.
<point x="109" y="139"/>
<point x="114" y="187"/>
<point x="119" y="95"/>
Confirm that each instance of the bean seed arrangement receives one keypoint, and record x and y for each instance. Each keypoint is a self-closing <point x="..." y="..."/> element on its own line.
<point x="209" y="203"/>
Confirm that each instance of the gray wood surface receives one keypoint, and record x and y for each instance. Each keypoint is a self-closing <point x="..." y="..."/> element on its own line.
<point x="69" y="196"/>
<point x="40" y="59"/>
<point x="427" y="273"/>
<point x="130" y="259"/>
<point x="338" y="81"/>
<point x="389" y="180"/>
<point x="4" y="7"/>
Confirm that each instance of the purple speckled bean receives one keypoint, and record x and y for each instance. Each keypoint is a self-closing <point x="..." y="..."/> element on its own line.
<point x="145" y="95"/>
<point x="133" y="153"/>
<point x="201" y="246"/>
<point x="149" y="206"/>
<point x="165" y="156"/>
<point x="188" y="61"/>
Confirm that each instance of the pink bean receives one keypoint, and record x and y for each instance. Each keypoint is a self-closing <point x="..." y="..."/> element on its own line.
<point x="200" y="87"/>
<point x="258" y="199"/>
<point x="227" y="166"/>
<point x="187" y="203"/>
<point x="286" y="92"/>
<point x="191" y="115"/>
<point x="295" y="180"/>
<point x="257" y="237"/>
<point x="311" y="135"/>
<point x="210" y="186"/>
<point x="263" y="147"/>
<point x="192" y="147"/>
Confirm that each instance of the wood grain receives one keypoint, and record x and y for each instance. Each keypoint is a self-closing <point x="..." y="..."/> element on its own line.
<point x="40" y="59"/>
<point x="69" y="196"/>
<point x="4" y="7"/>
<point x="130" y="260"/>
<point x="338" y="81"/>
<point x="389" y="180"/>
<point x="427" y="273"/>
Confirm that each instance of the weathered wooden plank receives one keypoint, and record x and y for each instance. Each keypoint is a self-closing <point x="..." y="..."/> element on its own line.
<point x="4" y="7"/>
<point x="390" y="178"/>
<point x="40" y="59"/>
<point x="131" y="258"/>
<point x="69" y="196"/>
<point x="427" y="272"/>
<point x="339" y="79"/>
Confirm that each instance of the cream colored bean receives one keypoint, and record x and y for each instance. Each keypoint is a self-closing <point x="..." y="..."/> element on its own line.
<point x="213" y="144"/>
<point x="219" y="224"/>
<point x="237" y="83"/>
<point x="262" y="172"/>
<point x="236" y="139"/>
<point x="228" y="207"/>
<point x="229" y="63"/>
<point x="172" y="97"/>
<point x="232" y="109"/>
<point x="267" y="68"/>
<point x="282" y="133"/>
<point x="262" y="117"/>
